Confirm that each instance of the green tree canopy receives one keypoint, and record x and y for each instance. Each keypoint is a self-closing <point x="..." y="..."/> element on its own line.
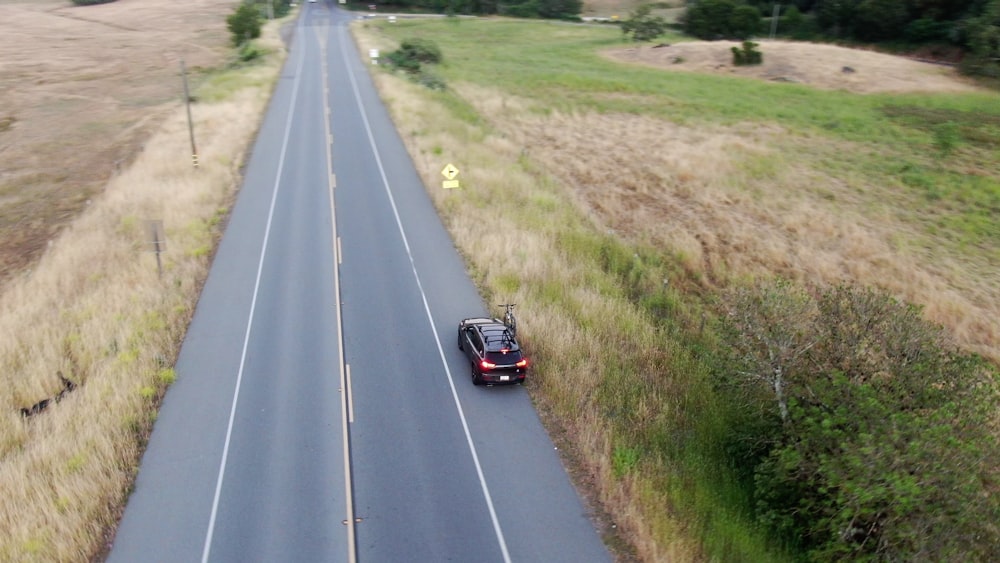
<point x="883" y="447"/>
<point x="244" y="24"/>
<point x="984" y="42"/>
<point x="721" y="19"/>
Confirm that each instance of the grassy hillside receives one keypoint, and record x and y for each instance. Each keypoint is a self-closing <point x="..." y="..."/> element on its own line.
<point x="631" y="199"/>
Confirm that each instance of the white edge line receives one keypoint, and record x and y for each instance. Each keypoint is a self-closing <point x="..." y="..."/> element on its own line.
<point x="350" y="396"/>
<point x="427" y="309"/>
<point x="253" y="305"/>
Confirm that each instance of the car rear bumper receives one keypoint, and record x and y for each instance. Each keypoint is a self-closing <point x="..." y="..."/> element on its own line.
<point x="502" y="378"/>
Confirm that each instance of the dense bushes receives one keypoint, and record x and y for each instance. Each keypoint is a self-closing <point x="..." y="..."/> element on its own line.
<point x="245" y="21"/>
<point x="642" y="25"/>
<point x="748" y="55"/>
<point x="721" y="19"/>
<point x="244" y="24"/>
<point x="983" y="35"/>
<point x="971" y="26"/>
<point x="553" y="9"/>
<point x="879" y="443"/>
<point x="412" y="56"/>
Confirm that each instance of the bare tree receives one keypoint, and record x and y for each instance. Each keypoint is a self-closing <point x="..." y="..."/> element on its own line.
<point x="774" y="326"/>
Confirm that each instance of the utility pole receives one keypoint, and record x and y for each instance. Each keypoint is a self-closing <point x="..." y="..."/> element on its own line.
<point x="187" y="103"/>
<point x="774" y="20"/>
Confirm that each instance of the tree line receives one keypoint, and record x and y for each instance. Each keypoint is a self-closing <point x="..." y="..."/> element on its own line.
<point x="550" y="9"/>
<point x="971" y="27"/>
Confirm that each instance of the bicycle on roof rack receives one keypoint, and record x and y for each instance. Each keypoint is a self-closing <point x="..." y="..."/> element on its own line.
<point x="509" y="320"/>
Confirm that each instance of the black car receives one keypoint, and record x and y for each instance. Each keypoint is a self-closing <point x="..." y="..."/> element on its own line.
<point x="492" y="350"/>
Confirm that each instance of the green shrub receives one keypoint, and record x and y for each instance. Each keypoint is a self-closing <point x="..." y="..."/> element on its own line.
<point x="528" y="9"/>
<point x="926" y="30"/>
<point x="721" y="19"/>
<point x="399" y="61"/>
<point x="883" y="449"/>
<point x="282" y="8"/>
<point x="744" y="22"/>
<point x="984" y="43"/>
<point x="430" y="80"/>
<point x="249" y="52"/>
<point x="642" y="25"/>
<point x="420" y="50"/>
<point x="748" y="55"/>
<point x="244" y="24"/>
<point x="411" y="57"/>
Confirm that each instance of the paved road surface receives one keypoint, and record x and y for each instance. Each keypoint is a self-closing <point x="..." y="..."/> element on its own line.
<point x="322" y="410"/>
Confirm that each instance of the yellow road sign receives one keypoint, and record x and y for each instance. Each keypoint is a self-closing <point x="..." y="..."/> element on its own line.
<point x="449" y="171"/>
<point x="448" y="184"/>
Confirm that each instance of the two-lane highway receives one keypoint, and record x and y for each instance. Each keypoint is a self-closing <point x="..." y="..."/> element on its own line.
<point x="322" y="411"/>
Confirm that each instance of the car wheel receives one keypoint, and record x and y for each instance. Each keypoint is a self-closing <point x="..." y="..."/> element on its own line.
<point x="476" y="377"/>
<point x="460" y="346"/>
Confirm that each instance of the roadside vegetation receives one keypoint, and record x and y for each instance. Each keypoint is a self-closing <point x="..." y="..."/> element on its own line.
<point x="963" y="31"/>
<point x="764" y="315"/>
<point x="91" y="331"/>
<point x="547" y="9"/>
<point x="668" y="237"/>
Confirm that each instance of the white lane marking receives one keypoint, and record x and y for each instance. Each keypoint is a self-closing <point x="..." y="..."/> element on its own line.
<point x="253" y="305"/>
<point x="427" y="309"/>
<point x="346" y="403"/>
<point x="350" y="396"/>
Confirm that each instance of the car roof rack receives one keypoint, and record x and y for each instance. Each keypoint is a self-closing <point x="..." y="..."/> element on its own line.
<point x="504" y="337"/>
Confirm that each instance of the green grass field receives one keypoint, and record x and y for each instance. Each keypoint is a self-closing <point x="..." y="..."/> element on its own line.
<point x="631" y="196"/>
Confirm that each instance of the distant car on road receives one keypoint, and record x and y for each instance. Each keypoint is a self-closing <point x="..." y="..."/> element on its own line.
<point x="492" y="350"/>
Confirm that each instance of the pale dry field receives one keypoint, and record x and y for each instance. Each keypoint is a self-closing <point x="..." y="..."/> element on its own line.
<point x="82" y="90"/>
<point x="812" y="64"/>
<point x="91" y="308"/>
<point x="697" y="197"/>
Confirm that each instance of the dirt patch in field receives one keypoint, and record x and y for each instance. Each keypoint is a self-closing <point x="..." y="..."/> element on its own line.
<point x="82" y="89"/>
<point x="822" y="66"/>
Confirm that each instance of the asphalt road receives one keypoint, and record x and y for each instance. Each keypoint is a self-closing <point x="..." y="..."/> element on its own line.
<point x="322" y="410"/>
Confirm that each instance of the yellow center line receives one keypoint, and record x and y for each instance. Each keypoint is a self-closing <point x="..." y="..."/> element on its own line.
<point x="346" y="404"/>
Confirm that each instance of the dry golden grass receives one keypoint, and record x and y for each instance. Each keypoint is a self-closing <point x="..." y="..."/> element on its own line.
<point x="94" y="310"/>
<point x="727" y="203"/>
<point x="90" y="85"/>
<point x="814" y="64"/>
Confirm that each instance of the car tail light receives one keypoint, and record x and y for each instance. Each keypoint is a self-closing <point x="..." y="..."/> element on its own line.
<point x="523" y="363"/>
<point x="487" y="365"/>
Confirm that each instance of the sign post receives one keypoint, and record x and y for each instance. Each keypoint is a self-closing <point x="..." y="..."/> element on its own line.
<point x="154" y="230"/>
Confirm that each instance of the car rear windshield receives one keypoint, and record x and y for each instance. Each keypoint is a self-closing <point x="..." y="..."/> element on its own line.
<point x="504" y="358"/>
